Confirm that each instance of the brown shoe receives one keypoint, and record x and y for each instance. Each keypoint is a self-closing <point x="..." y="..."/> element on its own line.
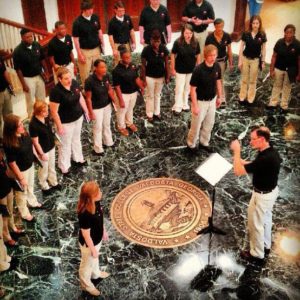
<point x="123" y="131"/>
<point x="133" y="127"/>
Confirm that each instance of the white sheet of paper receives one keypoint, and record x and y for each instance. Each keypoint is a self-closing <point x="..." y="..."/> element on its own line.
<point x="214" y="168"/>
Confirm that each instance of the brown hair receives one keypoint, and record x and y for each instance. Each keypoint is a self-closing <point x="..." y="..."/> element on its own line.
<point x="86" y="202"/>
<point x="11" y="124"/>
<point x="208" y="49"/>
<point x="181" y="40"/>
<point x="262" y="131"/>
<point x="119" y="4"/>
<point x="260" y="28"/>
<point x="86" y="4"/>
<point x="62" y="71"/>
<point x="38" y="107"/>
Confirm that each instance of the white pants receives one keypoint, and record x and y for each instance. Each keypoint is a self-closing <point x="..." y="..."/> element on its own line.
<point x="182" y="90"/>
<point x="70" y="145"/>
<point x="47" y="173"/>
<point x="201" y="38"/>
<point x="202" y="124"/>
<point x="70" y="67"/>
<point x="153" y="95"/>
<point x="23" y="199"/>
<point x="5" y="108"/>
<point x="9" y="202"/>
<point x="260" y="221"/>
<point x="281" y="89"/>
<point x="101" y="128"/>
<point x="125" y="115"/>
<point x="4" y="264"/>
<point x="37" y="91"/>
<point x="89" y="267"/>
<point x="222" y="65"/>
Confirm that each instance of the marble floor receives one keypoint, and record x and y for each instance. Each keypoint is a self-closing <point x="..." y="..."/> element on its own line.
<point x="47" y="259"/>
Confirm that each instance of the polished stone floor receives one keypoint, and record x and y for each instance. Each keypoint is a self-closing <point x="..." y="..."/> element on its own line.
<point x="47" y="258"/>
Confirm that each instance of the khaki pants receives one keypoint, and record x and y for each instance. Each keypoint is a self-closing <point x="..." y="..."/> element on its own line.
<point x="89" y="267"/>
<point x="222" y="65"/>
<point x="5" y="108"/>
<point x="9" y="202"/>
<point x="260" y="221"/>
<point x="4" y="264"/>
<point x="202" y="124"/>
<point x="201" y="38"/>
<point x="37" y="91"/>
<point x="281" y="89"/>
<point x="153" y="95"/>
<point x="117" y="59"/>
<point x="125" y="115"/>
<point x="101" y="128"/>
<point x="182" y="91"/>
<point x="70" y="67"/>
<point x="90" y="56"/>
<point x="23" y="199"/>
<point x="70" y="145"/>
<point x="47" y="173"/>
<point x="249" y="79"/>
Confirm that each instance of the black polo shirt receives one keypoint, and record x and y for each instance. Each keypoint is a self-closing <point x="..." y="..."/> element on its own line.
<point x="253" y="45"/>
<point x="205" y="79"/>
<point x="185" y="60"/>
<point x="99" y="89"/>
<point x="120" y="30"/>
<point x="265" y="169"/>
<point x="87" y="31"/>
<point x="125" y="77"/>
<point x="69" y="109"/>
<point x="61" y="50"/>
<point x="5" y="186"/>
<point x="28" y="60"/>
<point x="151" y="19"/>
<point x="22" y="155"/>
<point x="221" y="46"/>
<point x="92" y="222"/>
<point x="43" y="131"/>
<point x="155" y="61"/>
<point x="287" y="55"/>
<point x="203" y="12"/>
<point x="3" y="82"/>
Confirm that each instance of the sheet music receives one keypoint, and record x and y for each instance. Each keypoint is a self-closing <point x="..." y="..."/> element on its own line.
<point x="214" y="168"/>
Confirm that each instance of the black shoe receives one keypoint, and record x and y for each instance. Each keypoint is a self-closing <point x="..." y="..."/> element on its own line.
<point x="191" y="150"/>
<point x="208" y="149"/>
<point x="150" y="120"/>
<point x="47" y="192"/>
<point x="57" y="187"/>
<point x="66" y="174"/>
<point x="186" y="110"/>
<point x="242" y="102"/>
<point x="283" y="111"/>
<point x="246" y="255"/>
<point x="80" y="164"/>
<point x="269" y="107"/>
<point x="267" y="252"/>
<point x="157" y="117"/>
<point x="176" y="113"/>
<point x="97" y="153"/>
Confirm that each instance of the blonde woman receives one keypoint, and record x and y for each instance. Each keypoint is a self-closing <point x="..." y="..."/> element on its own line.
<point x="91" y="234"/>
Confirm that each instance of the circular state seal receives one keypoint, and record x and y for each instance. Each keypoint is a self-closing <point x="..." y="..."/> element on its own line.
<point x="160" y="212"/>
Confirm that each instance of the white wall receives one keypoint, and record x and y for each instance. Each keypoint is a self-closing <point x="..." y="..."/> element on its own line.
<point x="11" y="10"/>
<point x="51" y="12"/>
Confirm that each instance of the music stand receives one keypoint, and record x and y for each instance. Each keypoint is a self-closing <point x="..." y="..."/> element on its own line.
<point x="212" y="170"/>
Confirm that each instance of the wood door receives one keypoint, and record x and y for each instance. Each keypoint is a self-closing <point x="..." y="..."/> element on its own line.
<point x="34" y="14"/>
<point x="175" y="8"/>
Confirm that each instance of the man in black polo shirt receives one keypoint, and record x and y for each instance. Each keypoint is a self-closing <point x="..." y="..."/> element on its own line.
<point x="88" y="39"/>
<point x="28" y="62"/>
<point x="120" y="31"/>
<point x="265" y="169"/>
<point x="285" y="68"/>
<point x="60" y="51"/>
<point x="155" y="16"/>
<point x="5" y="99"/>
<point x="205" y="84"/>
<point x="199" y="13"/>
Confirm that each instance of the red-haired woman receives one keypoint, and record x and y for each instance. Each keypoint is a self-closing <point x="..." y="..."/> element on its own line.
<point x="18" y="149"/>
<point x="91" y="234"/>
<point x="252" y="50"/>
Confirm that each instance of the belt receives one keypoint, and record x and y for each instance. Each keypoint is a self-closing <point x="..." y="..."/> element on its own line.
<point x="262" y="192"/>
<point x="251" y="58"/>
<point x="223" y="59"/>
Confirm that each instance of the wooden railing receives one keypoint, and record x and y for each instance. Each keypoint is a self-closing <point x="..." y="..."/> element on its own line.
<point x="10" y="38"/>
